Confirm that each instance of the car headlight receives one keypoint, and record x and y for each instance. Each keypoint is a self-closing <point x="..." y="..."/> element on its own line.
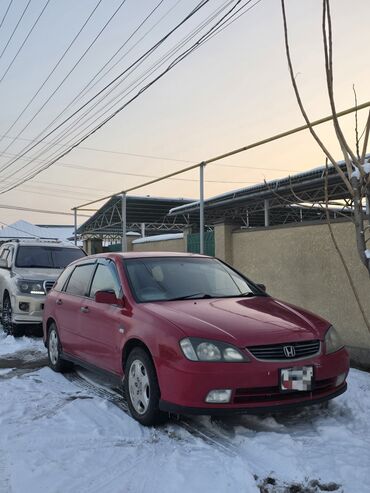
<point x="333" y="341"/>
<point x="197" y="349"/>
<point x="30" y="287"/>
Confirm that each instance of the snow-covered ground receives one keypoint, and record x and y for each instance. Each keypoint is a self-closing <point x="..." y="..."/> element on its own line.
<point x="59" y="435"/>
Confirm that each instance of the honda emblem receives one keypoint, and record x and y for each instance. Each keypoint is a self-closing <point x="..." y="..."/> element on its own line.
<point x="289" y="351"/>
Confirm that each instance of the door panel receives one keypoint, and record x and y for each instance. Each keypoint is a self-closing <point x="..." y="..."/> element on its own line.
<point x="101" y="331"/>
<point x="67" y="316"/>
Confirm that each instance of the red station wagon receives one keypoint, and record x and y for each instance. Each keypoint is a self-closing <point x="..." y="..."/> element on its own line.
<point x="188" y="334"/>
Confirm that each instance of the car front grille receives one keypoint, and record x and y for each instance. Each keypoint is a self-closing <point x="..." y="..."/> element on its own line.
<point x="270" y="394"/>
<point x="48" y="285"/>
<point x="286" y="352"/>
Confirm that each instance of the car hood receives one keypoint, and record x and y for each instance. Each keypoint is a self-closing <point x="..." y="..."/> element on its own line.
<point x="242" y="321"/>
<point x="38" y="274"/>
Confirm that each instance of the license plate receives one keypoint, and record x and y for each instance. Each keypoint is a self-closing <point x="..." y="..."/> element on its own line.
<point x="297" y="378"/>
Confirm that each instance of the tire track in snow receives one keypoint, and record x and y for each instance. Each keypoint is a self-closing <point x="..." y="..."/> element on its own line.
<point x="212" y="438"/>
<point x="4" y="475"/>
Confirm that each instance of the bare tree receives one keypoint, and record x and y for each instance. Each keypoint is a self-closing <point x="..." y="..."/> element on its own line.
<point x="357" y="175"/>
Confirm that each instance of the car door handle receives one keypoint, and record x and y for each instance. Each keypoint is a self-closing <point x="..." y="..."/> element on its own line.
<point x="59" y="302"/>
<point x="84" y="309"/>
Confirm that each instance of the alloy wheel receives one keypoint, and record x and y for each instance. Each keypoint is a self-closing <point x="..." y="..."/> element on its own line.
<point x="139" y="387"/>
<point x="53" y="347"/>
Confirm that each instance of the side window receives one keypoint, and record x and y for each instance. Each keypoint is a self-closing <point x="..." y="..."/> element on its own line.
<point x="5" y="253"/>
<point x="59" y="285"/>
<point x="79" y="282"/>
<point x="10" y="256"/>
<point x="105" y="279"/>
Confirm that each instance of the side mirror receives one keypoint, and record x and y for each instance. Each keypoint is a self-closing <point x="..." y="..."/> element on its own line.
<point x="262" y="286"/>
<point x="107" y="297"/>
<point x="4" y="263"/>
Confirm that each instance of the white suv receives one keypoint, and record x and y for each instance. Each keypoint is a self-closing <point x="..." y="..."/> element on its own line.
<point x="28" y="270"/>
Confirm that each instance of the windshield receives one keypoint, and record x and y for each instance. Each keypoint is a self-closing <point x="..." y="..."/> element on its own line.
<point x="46" y="257"/>
<point x="166" y="279"/>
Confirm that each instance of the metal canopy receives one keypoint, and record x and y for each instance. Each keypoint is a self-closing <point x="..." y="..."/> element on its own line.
<point x="153" y="211"/>
<point x="290" y="199"/>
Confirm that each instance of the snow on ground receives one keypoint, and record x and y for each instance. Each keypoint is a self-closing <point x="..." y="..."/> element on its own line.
<point x="11" y="345"/>
<point x="58" y="437"/>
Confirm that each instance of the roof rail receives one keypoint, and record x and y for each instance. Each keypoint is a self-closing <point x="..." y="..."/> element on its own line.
<point x="35" y="239"/>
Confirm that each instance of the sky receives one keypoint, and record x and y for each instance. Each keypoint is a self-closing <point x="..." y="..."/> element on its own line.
<point x="232" y="91"/>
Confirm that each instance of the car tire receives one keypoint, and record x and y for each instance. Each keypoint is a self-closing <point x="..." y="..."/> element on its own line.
<point x="9" y="327"/>
<point x="56" y="362"/>
<point x="142" y="389"/>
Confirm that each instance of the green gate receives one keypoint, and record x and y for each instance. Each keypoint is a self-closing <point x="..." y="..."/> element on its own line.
<point x="193" y="245"/>
<point x="115" y="247"/>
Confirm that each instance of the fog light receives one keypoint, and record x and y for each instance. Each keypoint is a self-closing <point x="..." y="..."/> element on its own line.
<point x="24" y="306"/>
<point x="219" y="396"/>
<point x="340" y="379"/>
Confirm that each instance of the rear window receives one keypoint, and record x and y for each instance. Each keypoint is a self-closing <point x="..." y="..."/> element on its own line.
<point x="46" y="257"/>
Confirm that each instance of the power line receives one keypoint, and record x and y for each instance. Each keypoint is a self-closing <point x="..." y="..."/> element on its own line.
<point x="123" y="173"/>
<point x="6" y="13"/>
<point x="88" y="87"/>
<point x="172" y="65"/>
<point x="15" y="29"/>
<point x="49" y="75"/>
<point x="153" y="48"/>
<point x="162" y="158"/>
<point x="183" y="55"/>
<point x="195" y="46"/>
<point x="70" y="72"/>
<point x="25" y="40"/>
<point x="157" y="64"/>
<point x="203" y="38"/>
<point x="236" y="151"/>
<point x="175" y="160"/>
<point x="43" y="211"/>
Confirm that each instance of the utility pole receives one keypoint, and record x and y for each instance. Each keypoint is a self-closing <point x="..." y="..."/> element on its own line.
<point x="124" y="221"/>
<point x="75" y="225"/>
<point x="201" y="208"/>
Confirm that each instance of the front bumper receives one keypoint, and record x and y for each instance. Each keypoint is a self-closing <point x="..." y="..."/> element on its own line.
<point x="255" y="385"/>
<point x="34" y="313"/>
<point x="226" y="411"/>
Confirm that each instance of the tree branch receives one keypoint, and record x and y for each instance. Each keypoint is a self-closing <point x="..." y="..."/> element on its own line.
<point x="303" y="111"/>
<point x="328" y="51"/>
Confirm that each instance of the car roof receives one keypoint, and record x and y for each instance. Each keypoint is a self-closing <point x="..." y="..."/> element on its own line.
<point x="128" y="255"/>
<point x="52" y="243"/>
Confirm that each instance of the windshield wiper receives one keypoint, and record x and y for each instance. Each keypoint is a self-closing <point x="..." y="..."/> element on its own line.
<point x="247" y="294"/>
<point x="197" y="296"/>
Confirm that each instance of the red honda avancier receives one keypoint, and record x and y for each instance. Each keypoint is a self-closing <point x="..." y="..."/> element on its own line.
<point x="188" y="334"/>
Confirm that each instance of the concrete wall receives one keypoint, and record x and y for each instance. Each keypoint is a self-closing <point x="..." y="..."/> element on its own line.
<point x="177" y="245"/>
<point x="301" y="266"/>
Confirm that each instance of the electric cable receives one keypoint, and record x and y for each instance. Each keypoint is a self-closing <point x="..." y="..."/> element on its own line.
<point x="69" y="72"/>
<point x="50" y="74"/>
<point x="156" y="65"/>
<point x="25" y="40"/>
<point x="15" y="29"/>
<point x="25" y="151"/>
<point x="6" y="13"/>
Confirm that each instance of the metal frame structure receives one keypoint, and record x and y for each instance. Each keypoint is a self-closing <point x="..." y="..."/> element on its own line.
<point x="147" y="215"/>
<point x="294" y="198"/>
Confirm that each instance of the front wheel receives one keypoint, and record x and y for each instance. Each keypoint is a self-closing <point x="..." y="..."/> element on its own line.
<point x="9" y="327"/>
<point x="56" y="362"/>
<point x="142" y="389"/>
